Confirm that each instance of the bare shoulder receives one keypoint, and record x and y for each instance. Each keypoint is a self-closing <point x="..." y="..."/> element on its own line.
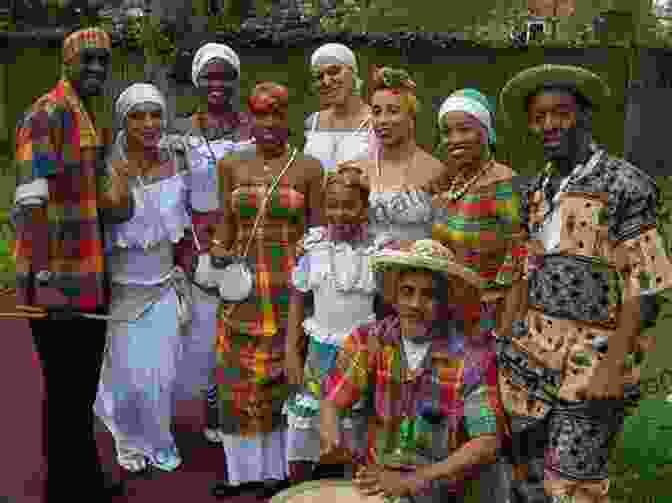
<point x="498" y="173"/>
<point x="432" y="168"/>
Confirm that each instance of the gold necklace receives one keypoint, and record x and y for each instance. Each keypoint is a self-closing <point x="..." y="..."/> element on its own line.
<point x="454" y="195"/>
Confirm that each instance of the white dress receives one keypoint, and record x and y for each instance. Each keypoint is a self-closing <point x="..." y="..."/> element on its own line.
<point x="340" y="278"/>
<point x="331" y="146"/>
<point x="150" y="308"/>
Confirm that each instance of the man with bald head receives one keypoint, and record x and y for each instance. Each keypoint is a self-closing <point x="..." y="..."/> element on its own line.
<point x="64" y="197"/>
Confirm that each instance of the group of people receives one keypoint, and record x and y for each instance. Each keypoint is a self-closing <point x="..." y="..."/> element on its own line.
<point x="422" y="314"/>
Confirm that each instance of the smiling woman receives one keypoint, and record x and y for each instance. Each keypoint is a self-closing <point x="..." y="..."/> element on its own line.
<point x="339" y="132"/>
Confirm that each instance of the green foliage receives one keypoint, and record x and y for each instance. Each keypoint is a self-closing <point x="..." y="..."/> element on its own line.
<point x="350" y="15"/>
<point x="502" y="24"/>
<point x="7" y="262"/>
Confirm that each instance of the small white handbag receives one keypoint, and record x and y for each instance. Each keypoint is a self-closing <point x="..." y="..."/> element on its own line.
<point x="236" y="281"/>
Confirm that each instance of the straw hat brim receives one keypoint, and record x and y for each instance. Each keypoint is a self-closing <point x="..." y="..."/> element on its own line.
<point x="512" y="99"/>
<point x="392" y="260"/>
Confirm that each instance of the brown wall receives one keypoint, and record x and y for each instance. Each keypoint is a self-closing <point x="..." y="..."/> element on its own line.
<point x="546" y="8"/>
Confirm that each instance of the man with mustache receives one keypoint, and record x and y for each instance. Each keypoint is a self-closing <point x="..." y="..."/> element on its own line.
<point x="570" y="364"/>
<point x="63" y="198"/>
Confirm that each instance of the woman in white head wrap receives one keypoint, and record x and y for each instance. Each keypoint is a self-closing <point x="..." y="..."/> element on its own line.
<point x="150" y="303"/>
<point x="339" y="131"/>
<point x="217" y="127"/>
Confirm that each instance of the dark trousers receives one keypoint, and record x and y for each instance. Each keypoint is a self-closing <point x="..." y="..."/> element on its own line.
<point x="71" y="353"/>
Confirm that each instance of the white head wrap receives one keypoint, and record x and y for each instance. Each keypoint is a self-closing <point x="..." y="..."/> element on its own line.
<point x="330" y="54"/>
<point x="134" y="95"/>
<point x="211" y="51"/>
<point x="470" y="106"/>
<point x="334" y="53"/>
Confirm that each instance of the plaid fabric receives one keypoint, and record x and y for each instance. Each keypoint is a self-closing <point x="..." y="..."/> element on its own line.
<point x="274" y="260"/>
<point x="89" y="38"/>
<point x="251" y="340"/>
<point x="482" y="226"/>
<point x="451" y="398"/>
<point x="57" y="142"/>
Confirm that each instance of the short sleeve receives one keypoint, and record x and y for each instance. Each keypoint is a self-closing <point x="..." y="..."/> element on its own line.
<point x="483" y="410"/>
<point x="636" y="225"/>
<point x="508" y="208"/>
<point x="349" y="379"/>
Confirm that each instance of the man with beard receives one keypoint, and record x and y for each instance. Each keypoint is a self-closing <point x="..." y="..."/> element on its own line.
<point x="64" y="196"/>
<point x="570" y="364"/>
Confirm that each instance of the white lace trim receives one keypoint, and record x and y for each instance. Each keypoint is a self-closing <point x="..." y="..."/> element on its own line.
<point x="353" y="272"/>
<point x="321" y="334"/>
<point x="160" y="215"/>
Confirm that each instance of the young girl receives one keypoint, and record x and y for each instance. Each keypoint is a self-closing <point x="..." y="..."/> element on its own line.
<point x="335" y="268"/>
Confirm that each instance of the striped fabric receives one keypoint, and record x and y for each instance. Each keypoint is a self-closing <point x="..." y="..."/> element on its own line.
<point x="450" y="399"/>
<point x="57" y="142"/>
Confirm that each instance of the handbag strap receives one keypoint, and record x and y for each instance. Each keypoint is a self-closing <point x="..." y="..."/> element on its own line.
<point x="262" y="209"/>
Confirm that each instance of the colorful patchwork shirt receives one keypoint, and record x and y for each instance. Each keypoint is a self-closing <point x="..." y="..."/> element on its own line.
<point x="593" y="245"/>
<point x="422" y="415"/>
<point x="60" y="204"/>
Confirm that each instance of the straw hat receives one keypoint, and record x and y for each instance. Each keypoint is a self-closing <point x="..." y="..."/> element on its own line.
<point x="423" y="254"/>
<point x="513" y="97"/>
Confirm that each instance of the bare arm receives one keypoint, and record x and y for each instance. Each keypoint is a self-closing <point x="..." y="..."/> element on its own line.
<point x="481" y="450"/>
<point x="314" y="193"/>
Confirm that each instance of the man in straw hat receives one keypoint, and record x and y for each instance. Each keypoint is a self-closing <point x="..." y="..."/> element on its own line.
<point x="63" y="196"/>
<point x="570" y="362"/>
<point x="433" y="390"/>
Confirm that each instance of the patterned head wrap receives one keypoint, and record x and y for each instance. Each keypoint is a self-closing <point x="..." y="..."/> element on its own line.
<point x="267" y="97"/>
<point x="89" y="38"/>
<point x="330" y="54"/>
<point x="76" y="42"/>
<point x="397" y="81"/>
<point x="472" y="102"/>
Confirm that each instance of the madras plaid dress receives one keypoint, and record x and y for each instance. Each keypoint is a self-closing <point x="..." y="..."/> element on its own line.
<point x="59" y="158"/>
<point x="480" y="228"/>
<point x="251" y="340"/>
<point x="424" y="415"/>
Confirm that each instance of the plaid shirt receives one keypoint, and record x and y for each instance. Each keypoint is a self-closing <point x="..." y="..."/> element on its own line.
<point x="451" y="398"/>
<point x="60" y="203"/>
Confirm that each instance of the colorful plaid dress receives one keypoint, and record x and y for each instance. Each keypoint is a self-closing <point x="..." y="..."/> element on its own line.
<point x="251" y="338"/>
<point x="60" y="166"/>
<point x="423" y="415"/>
<point x="479" y="228"/>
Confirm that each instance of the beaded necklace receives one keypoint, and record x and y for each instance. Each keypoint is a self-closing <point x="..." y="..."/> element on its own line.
<point x="453" y="195"/>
